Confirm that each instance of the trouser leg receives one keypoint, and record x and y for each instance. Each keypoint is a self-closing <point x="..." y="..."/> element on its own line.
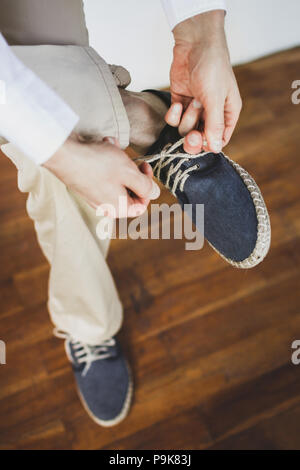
<point x="35" y="22"/>
<point x="83" y="300"/>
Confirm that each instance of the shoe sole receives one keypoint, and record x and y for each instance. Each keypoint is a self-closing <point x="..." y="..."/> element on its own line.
<point x="124" y="412"/>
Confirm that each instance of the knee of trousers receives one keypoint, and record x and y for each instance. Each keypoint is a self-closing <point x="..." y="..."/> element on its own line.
<point x="87" y="83"/>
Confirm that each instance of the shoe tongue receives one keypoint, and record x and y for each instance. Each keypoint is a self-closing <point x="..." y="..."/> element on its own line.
<point x="206" y="164"/>
<point x="111" y="350"/>
<point x="169" y="135"/>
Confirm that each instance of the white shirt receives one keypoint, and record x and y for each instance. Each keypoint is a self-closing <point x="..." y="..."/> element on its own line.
<point x="179" y="10"/>
<point x="32" y="116"/>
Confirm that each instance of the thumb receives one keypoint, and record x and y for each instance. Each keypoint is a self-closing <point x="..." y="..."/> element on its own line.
<point x="214" y="126"/>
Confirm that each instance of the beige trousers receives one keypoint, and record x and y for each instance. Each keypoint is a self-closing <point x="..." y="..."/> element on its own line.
<point x="83" y="300"/>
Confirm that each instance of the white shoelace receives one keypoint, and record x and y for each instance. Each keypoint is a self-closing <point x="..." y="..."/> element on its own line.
<point x="85" y="353"/>
<point x="165" y="158"/>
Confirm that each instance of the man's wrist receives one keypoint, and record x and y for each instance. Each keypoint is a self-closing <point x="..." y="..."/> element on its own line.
<point x="208" y="26"/>
<point x="60" y="157"/>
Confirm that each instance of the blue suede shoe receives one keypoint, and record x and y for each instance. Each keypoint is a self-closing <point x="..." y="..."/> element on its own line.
<point x="103" y="379"/>
<point x="236" y="220"/>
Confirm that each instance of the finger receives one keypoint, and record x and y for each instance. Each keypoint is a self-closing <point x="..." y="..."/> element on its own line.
<point x="135" y="209"/>
<point x="145" y="168"/>
<point x="214" y="125"/>
<point x="122" y="205"/>
<point x="233" y="106"/>
<point x="136" y="206"/>
<point x="130" y="208"/>
<point x="173" y="114"/>
<point x="193" y="142"/>
<point x="111" y="140"/>
<point x="143" y="186"/>
<point x="190" y="117"/>
<point x="184" y="100"/>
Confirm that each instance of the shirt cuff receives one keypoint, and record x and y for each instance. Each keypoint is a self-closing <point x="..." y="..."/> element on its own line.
<point x="180" y="10"/>
<point x="32" y="116"/>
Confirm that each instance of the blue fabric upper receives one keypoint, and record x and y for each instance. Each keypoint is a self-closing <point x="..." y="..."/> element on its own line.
<point x="230" y="221"/>
<point x="105" y="385"/>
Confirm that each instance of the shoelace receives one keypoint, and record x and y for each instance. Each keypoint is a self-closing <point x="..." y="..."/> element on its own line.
<point x="85" y="353"/>
<point x="165" y="158"/>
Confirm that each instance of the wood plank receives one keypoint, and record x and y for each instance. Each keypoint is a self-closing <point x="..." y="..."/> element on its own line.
<point x="209" y="345"/>
<point x="255" y="402"/>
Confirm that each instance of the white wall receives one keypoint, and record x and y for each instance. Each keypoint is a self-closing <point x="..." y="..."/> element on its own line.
<point x="259" y="27"/>
<point x="135" y="33"/>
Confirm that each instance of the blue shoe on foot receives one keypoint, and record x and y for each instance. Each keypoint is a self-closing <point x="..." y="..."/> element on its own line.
<point x="236" y="220"/>
<point x="103" y="379"/>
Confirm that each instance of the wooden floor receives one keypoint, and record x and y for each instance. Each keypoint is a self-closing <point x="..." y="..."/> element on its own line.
<point x="210" y="345"/>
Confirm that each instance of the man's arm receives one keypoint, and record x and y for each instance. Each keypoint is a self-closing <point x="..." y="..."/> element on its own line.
<point x="204" y="91"/>
<point x="32" y="116"/>
<point x="39" y="123"/>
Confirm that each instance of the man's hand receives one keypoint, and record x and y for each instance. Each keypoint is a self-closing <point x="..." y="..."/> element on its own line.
<point x="101" y="173"/>
<point x="204" y="91"/>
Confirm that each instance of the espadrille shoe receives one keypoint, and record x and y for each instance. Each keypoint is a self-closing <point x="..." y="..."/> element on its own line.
<point x="236" y="220"/>
<point x="103" y="379"/>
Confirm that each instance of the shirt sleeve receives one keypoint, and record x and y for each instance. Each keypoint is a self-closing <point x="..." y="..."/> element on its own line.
<point x="180" y="10"/>
<point x="32" y="116"/>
